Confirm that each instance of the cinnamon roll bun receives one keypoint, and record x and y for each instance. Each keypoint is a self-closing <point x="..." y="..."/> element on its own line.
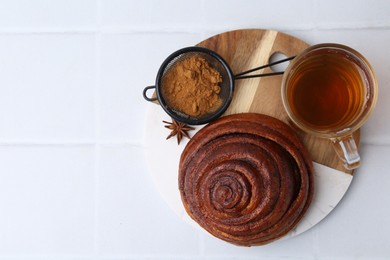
<point x="246" y="179"/>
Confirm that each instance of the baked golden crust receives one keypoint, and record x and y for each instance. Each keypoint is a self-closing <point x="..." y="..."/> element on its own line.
<point x="246" y="179"/>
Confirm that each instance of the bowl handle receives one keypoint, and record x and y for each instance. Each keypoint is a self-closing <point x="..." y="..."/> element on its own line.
<point x="146" y="97"/>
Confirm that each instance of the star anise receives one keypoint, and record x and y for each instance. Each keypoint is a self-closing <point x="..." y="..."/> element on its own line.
<point x="179" y="129"/>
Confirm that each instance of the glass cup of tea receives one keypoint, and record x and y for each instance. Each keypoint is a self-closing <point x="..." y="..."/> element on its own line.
<point x="329" y="90"/>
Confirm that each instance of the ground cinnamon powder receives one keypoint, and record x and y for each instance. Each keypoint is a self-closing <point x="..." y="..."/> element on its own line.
<point x="191" y="87"/>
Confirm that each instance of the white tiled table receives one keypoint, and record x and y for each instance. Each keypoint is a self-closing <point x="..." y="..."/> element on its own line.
<point x="73" y="178"/>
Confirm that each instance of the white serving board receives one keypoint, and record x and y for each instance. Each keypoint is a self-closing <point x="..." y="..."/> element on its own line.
<point x="163" y="157"/>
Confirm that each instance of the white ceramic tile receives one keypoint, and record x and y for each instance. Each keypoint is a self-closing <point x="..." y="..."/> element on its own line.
<point x="133" y="219"/>
<point x="174" y="14"/>
<point x="129" y="63"/>
<point x="280" y="15"/>
<point x="360" y="225"/>
<point x="43" y="15"/>
<point x="50" y="201"/>
<point x="46" y="200"/>
<point x="47" y="87"/>
<point x="205" y="15"/>
<point x="151" y="15"/>
<point x="122" y="14"/>
<point x="352" y="14"/>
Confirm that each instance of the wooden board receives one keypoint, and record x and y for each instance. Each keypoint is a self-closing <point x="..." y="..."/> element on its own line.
<point x="243" y="49"/>
<point x="250" y="48"/>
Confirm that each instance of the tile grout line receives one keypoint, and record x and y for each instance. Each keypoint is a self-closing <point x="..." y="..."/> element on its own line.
<point x="97" y="150"/>
<point x="39" y="31"/>
<point x="97" y="153"/>
<point x="138" y="143"/>
<point x="180" y="29"/>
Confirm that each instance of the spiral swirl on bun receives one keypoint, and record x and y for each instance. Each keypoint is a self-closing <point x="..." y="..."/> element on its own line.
<point x="246" y="179"/>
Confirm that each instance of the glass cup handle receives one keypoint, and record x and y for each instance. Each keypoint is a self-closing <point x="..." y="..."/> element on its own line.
<point x="346" y="149"/>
